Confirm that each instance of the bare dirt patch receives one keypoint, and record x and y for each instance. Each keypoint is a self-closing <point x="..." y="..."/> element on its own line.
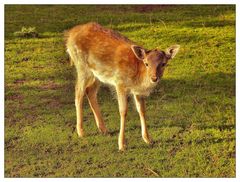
<point x="16" y="97"/>
<point x="19" y="81"/>
<point x="49" y="86"/>
<point x="54" y="104"/>
<point x="149" y="8"/>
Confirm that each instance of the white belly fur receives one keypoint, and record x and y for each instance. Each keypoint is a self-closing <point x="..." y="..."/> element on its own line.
<point x="103" y="78"/>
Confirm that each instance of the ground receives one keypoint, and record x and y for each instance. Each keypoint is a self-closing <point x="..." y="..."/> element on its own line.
<point x="191" y="113"/>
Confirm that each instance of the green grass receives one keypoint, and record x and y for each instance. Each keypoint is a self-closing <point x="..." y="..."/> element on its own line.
<point x="191" y="113"/>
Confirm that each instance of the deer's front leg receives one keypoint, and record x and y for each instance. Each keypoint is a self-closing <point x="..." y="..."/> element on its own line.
<point x="122" y="102"/>
<point x="140" y="104"/>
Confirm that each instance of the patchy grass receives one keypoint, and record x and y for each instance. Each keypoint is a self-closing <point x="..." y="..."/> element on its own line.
<point x="191" y="114"/>
<point x="29" y="32"/>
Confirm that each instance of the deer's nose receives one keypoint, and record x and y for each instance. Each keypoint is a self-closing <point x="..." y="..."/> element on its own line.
<point x="154" y="79"/>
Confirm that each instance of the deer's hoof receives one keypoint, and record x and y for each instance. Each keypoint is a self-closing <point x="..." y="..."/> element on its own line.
<point x="103" y="130"/>
<point x="122" y="145"/>
<point x="122" y="148"/>
<point x="80" y="132"/>
<point x="147" y="139"/>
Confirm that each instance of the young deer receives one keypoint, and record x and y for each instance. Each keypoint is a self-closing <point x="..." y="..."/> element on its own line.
<point x="100" y="54"/>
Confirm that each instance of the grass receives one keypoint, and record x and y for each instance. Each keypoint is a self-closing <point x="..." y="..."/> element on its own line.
<point x="191" y="113"/>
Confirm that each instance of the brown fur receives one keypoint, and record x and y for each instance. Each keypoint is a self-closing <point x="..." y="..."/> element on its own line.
<point x="102" y="54"/>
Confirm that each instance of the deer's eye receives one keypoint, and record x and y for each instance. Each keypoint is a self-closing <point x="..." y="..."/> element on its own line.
<point x="163" y="64"/>
<point x="146" y="64"/>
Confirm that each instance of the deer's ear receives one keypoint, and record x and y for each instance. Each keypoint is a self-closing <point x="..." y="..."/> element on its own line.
<point x="139" y="52"/>
<point x="172" y="51"/>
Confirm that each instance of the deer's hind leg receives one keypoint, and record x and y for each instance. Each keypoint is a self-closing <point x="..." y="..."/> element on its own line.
<point x="84" y="79"/>
<point x="91" y="92"/>
<point x="79" y="94"/>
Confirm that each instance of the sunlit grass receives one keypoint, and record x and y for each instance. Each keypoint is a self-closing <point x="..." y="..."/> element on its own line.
<point x="191" y="114"/>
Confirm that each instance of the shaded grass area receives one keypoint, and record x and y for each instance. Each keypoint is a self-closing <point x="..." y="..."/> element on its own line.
<point x="191" y="113"/>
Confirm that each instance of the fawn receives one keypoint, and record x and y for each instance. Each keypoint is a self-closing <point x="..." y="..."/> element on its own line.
<point x="103" y="55"/>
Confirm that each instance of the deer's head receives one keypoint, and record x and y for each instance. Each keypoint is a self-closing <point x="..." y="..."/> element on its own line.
<point x="155" y="60"/>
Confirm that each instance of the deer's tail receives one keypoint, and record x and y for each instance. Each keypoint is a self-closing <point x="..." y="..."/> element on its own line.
<point x="66" y="39"/>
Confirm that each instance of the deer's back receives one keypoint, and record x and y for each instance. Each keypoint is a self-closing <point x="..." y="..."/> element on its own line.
<point x="108" y="54"/>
